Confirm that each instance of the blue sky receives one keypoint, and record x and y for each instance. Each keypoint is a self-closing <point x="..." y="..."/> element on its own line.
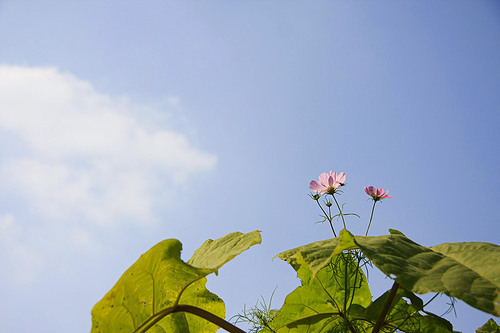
<point x="126" y="123"/>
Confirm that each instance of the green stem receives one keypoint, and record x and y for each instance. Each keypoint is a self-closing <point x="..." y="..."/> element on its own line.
<point x="358" y="257"/>
<point x="340" y="210"/>
<point x="427" y="303"/>
<point x="371" y="218"/>
<point x="347" y="291"/>
<point x="385" y="310"/>
<point x="328" y="217"/>
<point x="197" y="312"/>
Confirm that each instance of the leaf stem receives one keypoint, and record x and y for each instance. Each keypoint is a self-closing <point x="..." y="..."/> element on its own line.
<point x="385" y="309"/>
<point x="347" y="291"/>
<point x="197" y="312"/>
<point x="328" y="217"/>
<point x="340" y="210"/>
<point x="371" y="218"/>
<point x="358" y="257"/>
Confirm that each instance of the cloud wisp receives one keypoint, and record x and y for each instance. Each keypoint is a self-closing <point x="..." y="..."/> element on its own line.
<point x="70" y="152"/>
<point x="85" y="152"/>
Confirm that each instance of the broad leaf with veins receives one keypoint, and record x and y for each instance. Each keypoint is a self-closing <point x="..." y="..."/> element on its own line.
<point x="145" y="296"/>
<point x="324" y="302"/>
<point x="468" y="271"/>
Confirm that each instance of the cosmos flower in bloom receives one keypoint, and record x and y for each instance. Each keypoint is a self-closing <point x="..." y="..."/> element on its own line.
<point x="328" y="182"/>
<point x="377" y="193"/>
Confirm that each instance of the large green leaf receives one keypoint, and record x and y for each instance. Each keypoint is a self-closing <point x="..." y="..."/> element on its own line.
<point x="307" y="308"/>
<point x="146" y="296"/>
<point x="468" y="271"/>
<point x="317" y="255"/>
<point x="484" y="258"/>
<point x="405" y="316"/>
<point x="320" y="303"/>
<point x="489" y="327"/>
<point x="215" y="253"/>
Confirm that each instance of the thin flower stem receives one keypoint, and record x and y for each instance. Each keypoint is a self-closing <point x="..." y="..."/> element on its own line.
<point x="340" y="210"/>
<point x="358" y="257"/>
<point x="433" y="297"/>
<point x="347" y="292"/>
<point x="328" y="217"/>
<point x="371" y="218"/>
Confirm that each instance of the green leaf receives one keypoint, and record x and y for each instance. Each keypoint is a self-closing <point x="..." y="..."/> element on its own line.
<point x="434" y="324"/>
<point x="213" y="254"/>
<point x="148" y="292"/>
<point x="398" y="310"/>
<point x="317" y="255"/>
<point x="489" y="327"/>
<point x="468" y="271"/>
<point x="320" y="303"/>
<point x="405" y="316"/>
<point x="484" y="258"/>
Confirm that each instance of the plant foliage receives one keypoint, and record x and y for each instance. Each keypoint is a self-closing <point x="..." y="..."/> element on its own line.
<point x="162" y="293"/>
<point x="147" y="295"/>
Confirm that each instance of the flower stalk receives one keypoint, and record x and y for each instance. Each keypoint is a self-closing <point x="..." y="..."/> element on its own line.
<point x="371" y="217"/>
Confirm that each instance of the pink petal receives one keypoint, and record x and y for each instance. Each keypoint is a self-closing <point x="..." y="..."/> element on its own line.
<point x="323" y="178"/>
<point x="315" y="186"/>
<point x="372" y="190"/>
<point x="341" y="177"/>
<point x="331" y="180"/>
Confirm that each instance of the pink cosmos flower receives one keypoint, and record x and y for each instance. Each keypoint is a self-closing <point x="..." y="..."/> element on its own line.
<point x="328" y="183"/>
<point x="377" y="193"/>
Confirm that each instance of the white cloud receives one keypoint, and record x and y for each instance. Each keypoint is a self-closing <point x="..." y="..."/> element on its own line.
<point x="86" y="152"/>
<point x="79" y="161"/>
<point x="23" y="263"/>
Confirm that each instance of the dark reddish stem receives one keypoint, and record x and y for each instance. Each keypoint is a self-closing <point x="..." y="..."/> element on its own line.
<point x="385" y="310"/>
<point x="197" y="312"/>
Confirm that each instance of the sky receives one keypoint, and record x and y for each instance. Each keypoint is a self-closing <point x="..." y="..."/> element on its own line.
<point x="123" y="123"/>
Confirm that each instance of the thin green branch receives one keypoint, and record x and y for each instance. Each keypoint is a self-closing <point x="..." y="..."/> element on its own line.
<point x="371" y="218"/>
<point x="347" y="291"/>
<point x="328" y="217"/>
<point x="358" y="257"/>
<point x="340" y="210"/>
